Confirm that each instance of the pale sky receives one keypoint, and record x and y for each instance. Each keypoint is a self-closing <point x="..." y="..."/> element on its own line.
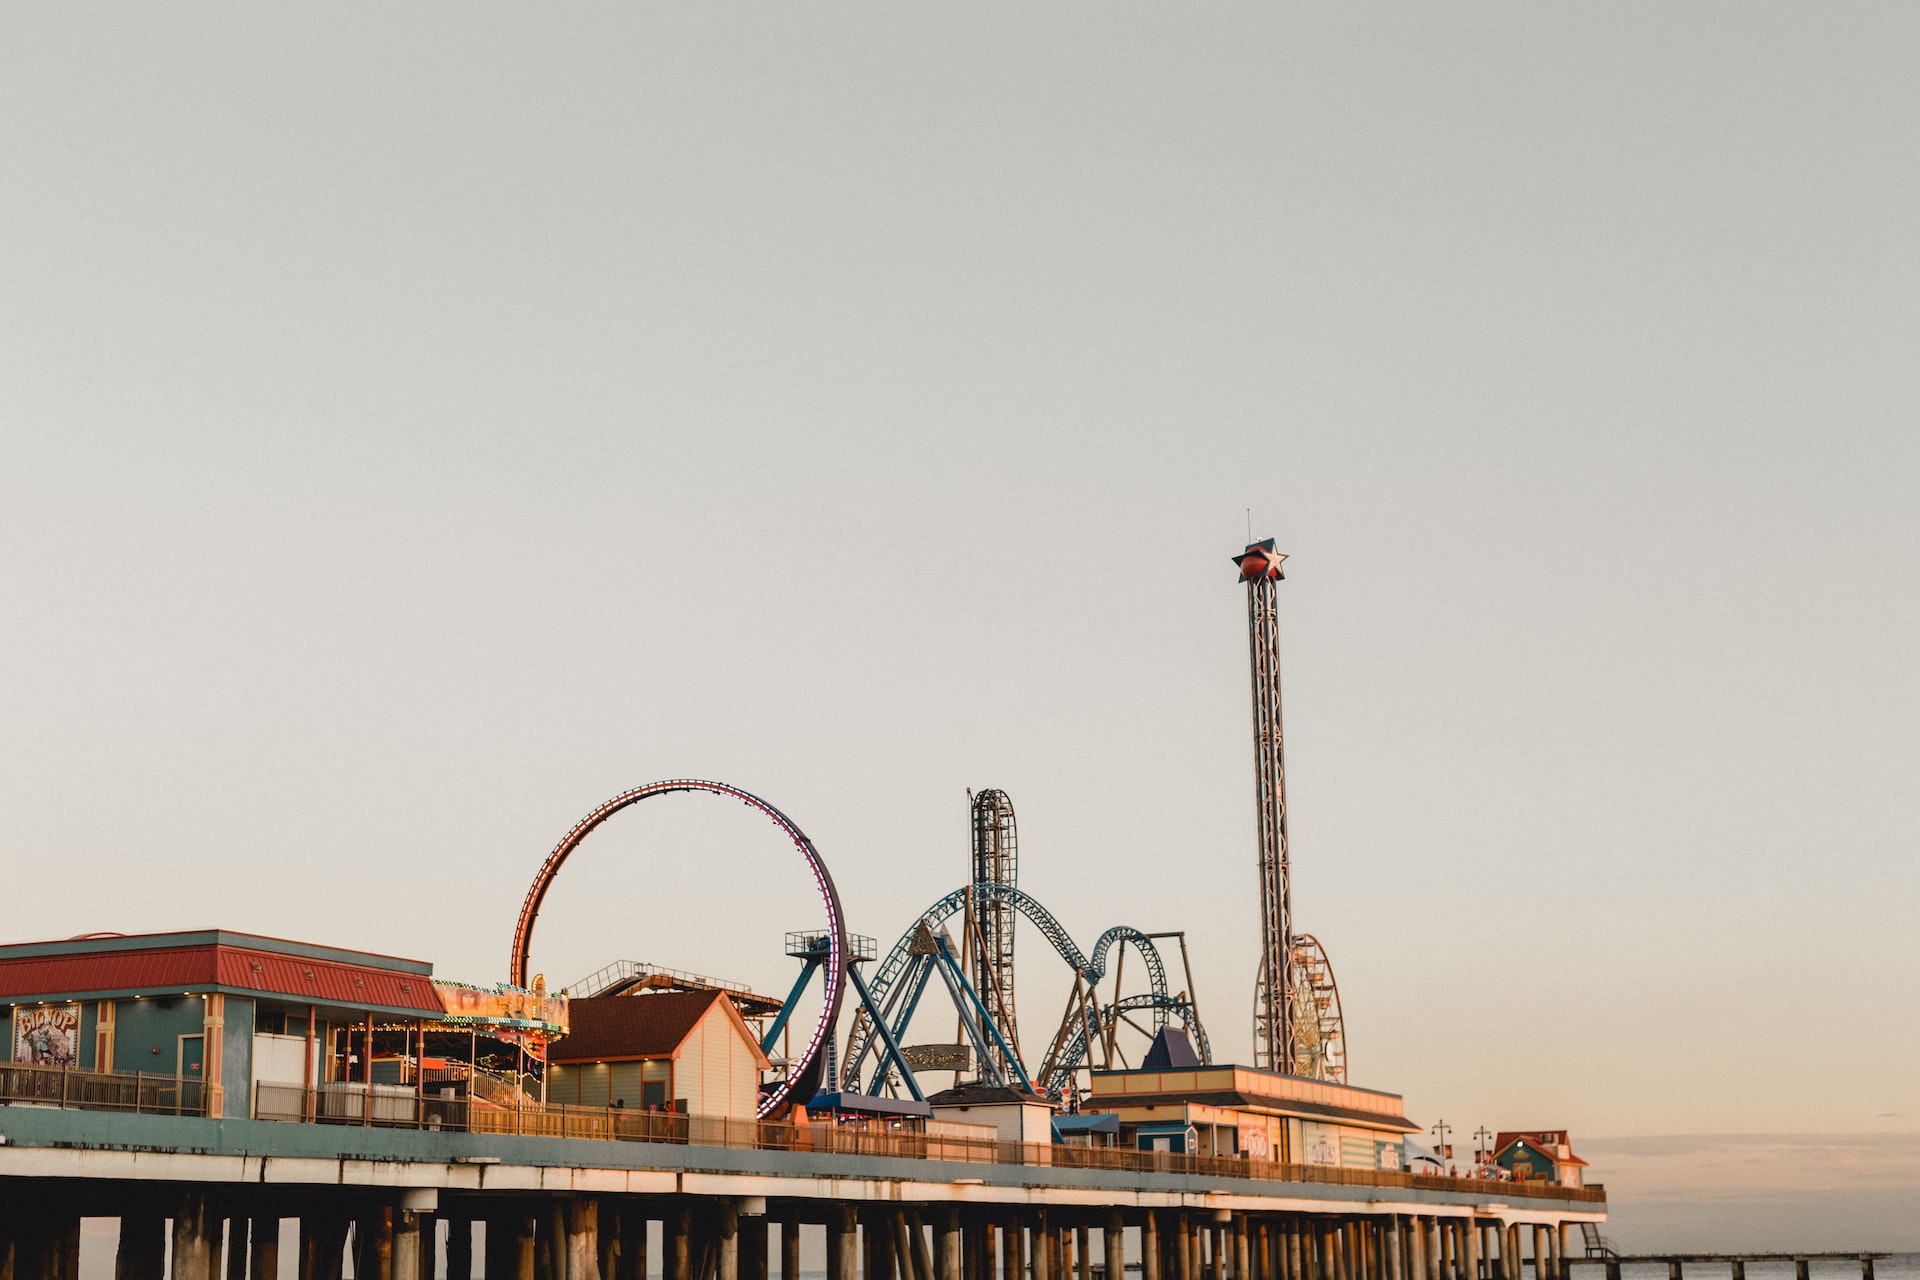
<point x="419" y="424"/>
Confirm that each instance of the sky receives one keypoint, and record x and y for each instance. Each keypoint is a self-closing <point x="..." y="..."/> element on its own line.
<point x="419" y="425"/>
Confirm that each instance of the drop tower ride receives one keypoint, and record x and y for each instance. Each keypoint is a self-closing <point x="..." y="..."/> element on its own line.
<point x="1273" y="1002"/>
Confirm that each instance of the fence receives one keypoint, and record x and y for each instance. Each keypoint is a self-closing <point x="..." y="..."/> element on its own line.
<point x="101" y="1091"/>
<point x="329" y="1105"/>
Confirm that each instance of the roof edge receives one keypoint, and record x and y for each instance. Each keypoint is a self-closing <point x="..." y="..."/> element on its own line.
<point x="213" y="938"/>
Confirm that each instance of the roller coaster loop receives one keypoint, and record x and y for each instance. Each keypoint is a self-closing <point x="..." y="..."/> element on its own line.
<point x="804" y="1075"/>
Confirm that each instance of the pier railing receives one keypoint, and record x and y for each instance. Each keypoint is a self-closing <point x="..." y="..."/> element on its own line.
<point x="391" y="1107"/>
<point x="22" y="1083"/>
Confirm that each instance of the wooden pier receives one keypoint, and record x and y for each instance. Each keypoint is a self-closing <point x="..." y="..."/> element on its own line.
<point x="226" y="1199"/>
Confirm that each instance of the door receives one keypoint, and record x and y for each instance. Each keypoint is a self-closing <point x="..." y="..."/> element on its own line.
<point x="188" y="1070"/>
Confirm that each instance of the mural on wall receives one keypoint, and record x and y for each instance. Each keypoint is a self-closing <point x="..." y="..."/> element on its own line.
<point x="47" y="1035"/>
<point x="1323" y="1144"/>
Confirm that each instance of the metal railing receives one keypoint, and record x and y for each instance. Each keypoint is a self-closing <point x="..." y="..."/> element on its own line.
<point x="351" y="1104"/>
<point x="70" y="1087"/>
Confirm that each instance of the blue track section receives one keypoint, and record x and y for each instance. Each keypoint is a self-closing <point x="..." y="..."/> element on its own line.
<point x="900" y="964"/>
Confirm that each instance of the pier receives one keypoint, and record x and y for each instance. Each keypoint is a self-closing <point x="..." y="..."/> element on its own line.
<point x="212" y="1196"/>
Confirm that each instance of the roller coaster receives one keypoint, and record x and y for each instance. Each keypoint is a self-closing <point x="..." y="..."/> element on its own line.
<point x="1090" y="1026"/>
<point x="977" y="977"/>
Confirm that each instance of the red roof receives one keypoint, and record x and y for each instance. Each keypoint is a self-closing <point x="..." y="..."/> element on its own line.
<point x="626" y="1028"/>
<point x="214" y="966"/>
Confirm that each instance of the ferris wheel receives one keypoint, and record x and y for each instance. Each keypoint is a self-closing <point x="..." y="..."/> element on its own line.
<point x="1319" y="1050"/>
<point x="1319" y="1032"/>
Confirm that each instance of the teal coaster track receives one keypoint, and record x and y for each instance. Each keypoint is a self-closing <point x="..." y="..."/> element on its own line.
<point x="902" y="977"/>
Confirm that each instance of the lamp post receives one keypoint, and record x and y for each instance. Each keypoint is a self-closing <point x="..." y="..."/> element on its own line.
<point x="1440" y="1131"/>
<point x="1482" y="1147"/>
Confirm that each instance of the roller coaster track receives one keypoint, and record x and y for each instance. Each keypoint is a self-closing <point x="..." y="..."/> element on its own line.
<point x="1060" y="1070"/>
<point x="860" y="1040"/>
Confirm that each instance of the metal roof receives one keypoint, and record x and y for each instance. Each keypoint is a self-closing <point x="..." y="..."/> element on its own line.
<point x="92" y="943"/>
<point x="212" y="966"/>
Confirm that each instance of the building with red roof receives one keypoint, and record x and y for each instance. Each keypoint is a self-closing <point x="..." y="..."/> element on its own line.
<point x="1535" y="1155"/>
<point x="213" y="1010"/>
<point x="686" y="1051"/>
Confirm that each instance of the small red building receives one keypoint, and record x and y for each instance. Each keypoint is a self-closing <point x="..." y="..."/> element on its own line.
<point x="1538" y="1155"/>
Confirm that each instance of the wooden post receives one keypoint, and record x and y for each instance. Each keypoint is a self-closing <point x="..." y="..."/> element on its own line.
<point x="307" y="1249"/>
<point x="496" y="1252"/>
<point x="459" y="1249"/>
<point x="917" y="1242"/>
<point x="949" y="1258"/>
<point x="612" y="1226"/>
<point x="678" y="1245"/>
<point x="191" y="1255"/>
<point x="263" y="1262"/>
<point x="404" y="1245"/>
<point x="728" y="1265"/>
<point x="843" y="1241"/>
<point x="897" y="1229"/>
<point x="236" y="1267"/>
<point x="581" y="1220"/>
<point x="143" y="1247"/>
<point x="1013" y="1249"/>
<point x="526" y="1242"/>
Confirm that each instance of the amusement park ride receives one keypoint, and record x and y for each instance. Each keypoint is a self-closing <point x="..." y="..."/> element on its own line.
<point x="1297" y="1020"/>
